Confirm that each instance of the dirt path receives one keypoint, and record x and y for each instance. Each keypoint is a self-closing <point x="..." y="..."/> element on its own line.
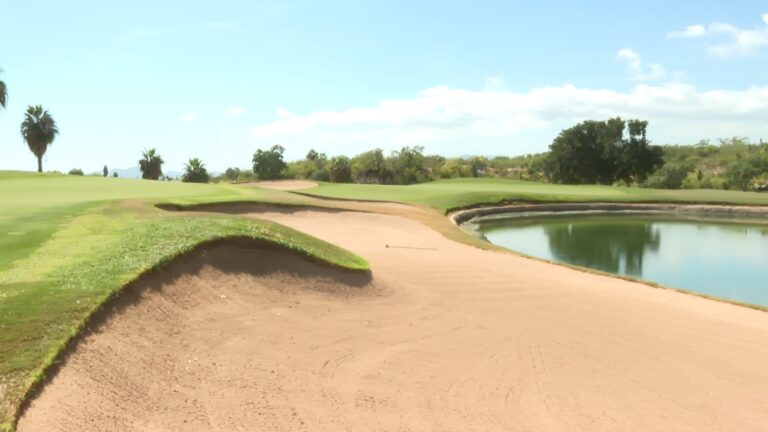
<point x="446" y="338"/>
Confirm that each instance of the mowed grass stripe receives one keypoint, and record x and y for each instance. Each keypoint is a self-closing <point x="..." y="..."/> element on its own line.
<point x="445" y="195"/>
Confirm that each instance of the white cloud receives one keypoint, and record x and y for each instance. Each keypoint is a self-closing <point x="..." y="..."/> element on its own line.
<point x="690" y="32"/>
<point x="235" y="111"/>
<point x="637" y="70"/>
<point x="497" y="121"/>
<point x="738" y="42"/>
<point x="283" y="113"/>
<point x="189" y="117"/>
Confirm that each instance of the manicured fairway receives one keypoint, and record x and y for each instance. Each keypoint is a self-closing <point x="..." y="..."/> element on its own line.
<point x="451" y="194"/>
<point x="68" y="243"/>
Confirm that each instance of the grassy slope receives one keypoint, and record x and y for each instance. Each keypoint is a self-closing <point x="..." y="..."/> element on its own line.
<point x="68" y="243"/>
<point x="451" y="194"/>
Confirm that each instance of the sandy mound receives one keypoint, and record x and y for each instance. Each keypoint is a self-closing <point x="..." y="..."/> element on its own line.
<point x="198" y="346"/>
<point x="284" y="184"/>
<point x="461" y="339"/>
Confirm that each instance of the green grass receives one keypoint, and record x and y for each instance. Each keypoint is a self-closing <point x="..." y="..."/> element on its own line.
<point x="69" y="243"/>
<point x="446" y="195"/>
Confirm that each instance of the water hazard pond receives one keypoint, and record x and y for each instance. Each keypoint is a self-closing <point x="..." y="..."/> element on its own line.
<point x="722" y="258"/>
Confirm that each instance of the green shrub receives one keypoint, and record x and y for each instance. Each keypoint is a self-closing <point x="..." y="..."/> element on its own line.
<point x="320" y="175"/>
<point x="670" y="176"/>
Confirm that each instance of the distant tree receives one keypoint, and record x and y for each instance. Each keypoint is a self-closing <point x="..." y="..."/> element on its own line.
<point x="740" y="175"/>
<point x="313" y="166"/>
<point x="454" y="168"/>
<point x="3" y="93"/>
<point x="670" y="176"/>
<point x="478" y="165"/>
<point x="370" y="167"/>
<point x="300" y="169"/>
<point x="39" y="130"/>
<point x="232" y="173"/>
<point x="114" y="174"/>
<point x="320" y="175"/>
<point x="105" y="171"/>
<point x="268" y="165"/>
<point x="600" y="152"/>
<point x="75" y="171"/>
<point x="433" y="164"/>
<point x="339" y="170"/>
<point x="151" y="165"/>
<point x="195" y="172"/>
<point x="407" y="165"/>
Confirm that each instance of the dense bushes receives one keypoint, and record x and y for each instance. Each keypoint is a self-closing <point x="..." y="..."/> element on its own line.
<point x="602" y="152"/>
<point x="195" y="172"/>
<point x="593" y="152"/>
<point x="670" y="176"/>
<point x="733" y="163"/>
<point x="269" y="164"/>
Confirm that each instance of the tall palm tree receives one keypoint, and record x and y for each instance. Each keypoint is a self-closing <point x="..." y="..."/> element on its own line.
<point x="151" y="165"/>
<point x="39" y="130"/>
<point x="3" y="93"/>
<point x="195" y="172"/>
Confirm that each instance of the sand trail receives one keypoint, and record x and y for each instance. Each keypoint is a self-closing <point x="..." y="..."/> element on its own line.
<point x="445" y="337"/>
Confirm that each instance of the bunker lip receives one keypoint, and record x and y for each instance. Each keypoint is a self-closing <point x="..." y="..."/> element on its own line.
<point x="477" y="214"/>
<point x="167" y="272"/>
<point x="320" y="204"/>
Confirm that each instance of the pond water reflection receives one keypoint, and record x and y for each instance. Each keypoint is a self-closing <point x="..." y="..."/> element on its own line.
<point x="726" y="259"/>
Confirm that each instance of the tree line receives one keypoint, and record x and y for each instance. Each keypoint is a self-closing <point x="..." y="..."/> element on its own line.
<point x="408" y="165"/>
<point x="610" y="152"/>
<point x="592" y="152"/>
<point x="614" y="151"/>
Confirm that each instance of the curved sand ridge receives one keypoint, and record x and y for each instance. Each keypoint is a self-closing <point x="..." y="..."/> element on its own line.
<point x="460" y="339"/>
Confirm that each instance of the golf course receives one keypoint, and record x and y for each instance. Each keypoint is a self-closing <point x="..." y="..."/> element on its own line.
<point x="342" y="216"/>
<point x="141" y="305"/>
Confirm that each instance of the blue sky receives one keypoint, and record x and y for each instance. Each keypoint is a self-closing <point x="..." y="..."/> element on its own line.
<point x="217" y="80"/>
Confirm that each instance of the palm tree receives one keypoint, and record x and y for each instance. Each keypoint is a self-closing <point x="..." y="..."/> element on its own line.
<point x="195" y="172"/>
<point x="39" y="130"/>
<point x="3" y="93"/>
<point x="151" y="165"/>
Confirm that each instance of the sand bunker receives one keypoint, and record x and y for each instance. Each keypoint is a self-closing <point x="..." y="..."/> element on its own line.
<point x="284" y="184"/>
<point x="448" y="338"/>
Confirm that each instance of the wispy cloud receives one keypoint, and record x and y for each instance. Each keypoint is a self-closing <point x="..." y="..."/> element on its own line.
<point x="690" y="32"/>
<point x="738" y="42"/>
<point x="637" y="70"/>
<point x="235" y="111"/>
<point x="189" y="117"/>
<point x="142" y="33"/>
<point x="283" y="113"/>
<point x="447" y="119"/>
